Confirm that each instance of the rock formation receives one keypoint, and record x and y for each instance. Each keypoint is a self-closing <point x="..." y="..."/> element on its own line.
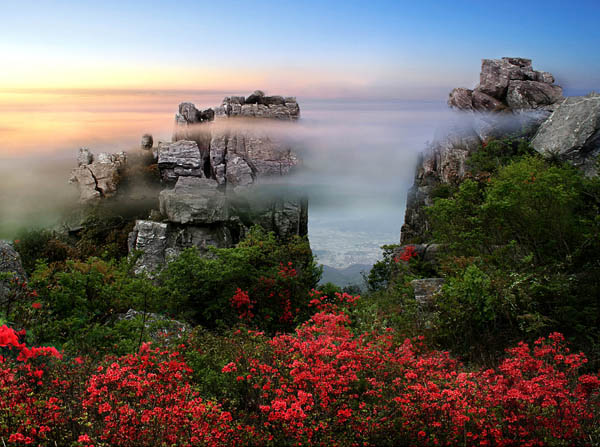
<point x="257" y="105"/>
<point x="510" y="98"/>
<point x="572" y="133"/>
<point x="509" y="82"/>
<point x="11" y="267"/>
<point x="97" y="177"/>
<point x="210" y="171"/>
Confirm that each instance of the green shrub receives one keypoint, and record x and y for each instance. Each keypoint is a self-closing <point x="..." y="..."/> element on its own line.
<point x="200" y="288"/>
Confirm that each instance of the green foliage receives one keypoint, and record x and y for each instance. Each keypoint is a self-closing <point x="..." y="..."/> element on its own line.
<point x="199" y="288"/>
<point x="208" y="352"/>
<point x="34" y="245"/>
<point x="81" y="304"/>
<point x="383" y="271"/>
<point x="522" y="257"/>
<point x="329" y="289"/>
<point x="495" y="154"/>
<point x="104" y="235"/>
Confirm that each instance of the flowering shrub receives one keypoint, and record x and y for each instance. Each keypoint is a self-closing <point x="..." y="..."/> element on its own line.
<point x="326" y="385"/>
<point x="407" y="254"/>
<point x="320" y="385"/>
<point x="147" y="400"/>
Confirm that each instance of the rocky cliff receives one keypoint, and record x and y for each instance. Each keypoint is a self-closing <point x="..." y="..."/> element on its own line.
<point x="210" y="174"/>
<point x="511" y="98"/>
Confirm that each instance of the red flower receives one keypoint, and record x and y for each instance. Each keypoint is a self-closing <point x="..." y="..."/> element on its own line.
<point x="36" y="305"/>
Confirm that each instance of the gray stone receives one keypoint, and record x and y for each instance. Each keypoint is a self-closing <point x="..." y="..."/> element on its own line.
<point x="150" y="240"/>
<point x="496" y="74"/>
<point x="99" y="178"/>
<point x="239" y="173"/>
<point x="486" y="103"/>
<point x="84" y="156"/>
<point x="572" y="132"/>
<point x="426" y="290"/>
<point x="159" y="327"/>
<point x="181" y="158"/>
<point x="532" y="94"/>
<point x="158" y="243"/>
<point x="194" y="201"/>
<point x="461" y="98"/>
<point x="10" y="269"/>
<point x="147" y="142"/>
<point x="189" y="113"/>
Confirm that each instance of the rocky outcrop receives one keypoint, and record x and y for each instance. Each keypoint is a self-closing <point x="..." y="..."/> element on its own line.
<point x="97" y="176"/>
<point x="511" y="98"/>
<point x="240" y="156"/>
<point x="209" y="175"/>
<point x="10" y="268"/>
<point x="194" y="200"/>
<point x="426" y="289"/>
<point x="180" y="159"/>
<point x="508" y="83"/>
<point x="258" y="105"/>
<point x="572" y="133"/>
<point x="188" y="114"/>
<point x="156" y="243"/>
<point x="147" y="142"/>
<point x="235" y="153"/>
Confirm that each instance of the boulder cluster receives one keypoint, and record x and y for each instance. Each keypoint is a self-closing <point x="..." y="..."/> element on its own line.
<point x="208" y="173"/>
<point x="511" y="83"/>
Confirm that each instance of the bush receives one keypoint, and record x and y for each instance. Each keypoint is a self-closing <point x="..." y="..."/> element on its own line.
<point x="277" y="276"/>
<point x="531" y="232"/>
<point x="80" y="306"/>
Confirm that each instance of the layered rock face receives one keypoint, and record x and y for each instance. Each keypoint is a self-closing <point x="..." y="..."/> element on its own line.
<point x="509" y="82"/>
<point x="257" y="105"/>
<point x="511" y="98"/>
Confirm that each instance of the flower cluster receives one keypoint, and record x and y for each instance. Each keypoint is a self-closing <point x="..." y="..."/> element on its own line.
<point x="322" y="384"/>
<point x="407" y="254"/>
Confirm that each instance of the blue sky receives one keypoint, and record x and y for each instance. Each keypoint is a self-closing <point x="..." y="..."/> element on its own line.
<point x="378" y="48"/>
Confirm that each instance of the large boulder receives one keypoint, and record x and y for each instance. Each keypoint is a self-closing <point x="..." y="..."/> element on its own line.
<point x="426" y="290"/>
<point x="572" y="132"/>
<point x="180" y="159"/>
<point x="194" y="200"/>
<point x="532" y="94"/>
<point x="97" y="176"/>
<point x="509" y="83"/>
<point x="158" y="327"/>
<point x="157" y="243"/>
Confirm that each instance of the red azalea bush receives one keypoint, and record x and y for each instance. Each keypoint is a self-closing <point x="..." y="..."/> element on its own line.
<point x="147" y="400"/>
<point x="321" y="385"/>
<point x="326" y="385"/>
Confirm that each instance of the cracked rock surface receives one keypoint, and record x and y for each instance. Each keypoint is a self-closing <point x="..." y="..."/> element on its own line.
<point x="97" y="176"/>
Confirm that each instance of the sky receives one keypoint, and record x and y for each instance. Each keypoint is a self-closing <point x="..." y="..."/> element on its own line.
<point x="377" y="49"/>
